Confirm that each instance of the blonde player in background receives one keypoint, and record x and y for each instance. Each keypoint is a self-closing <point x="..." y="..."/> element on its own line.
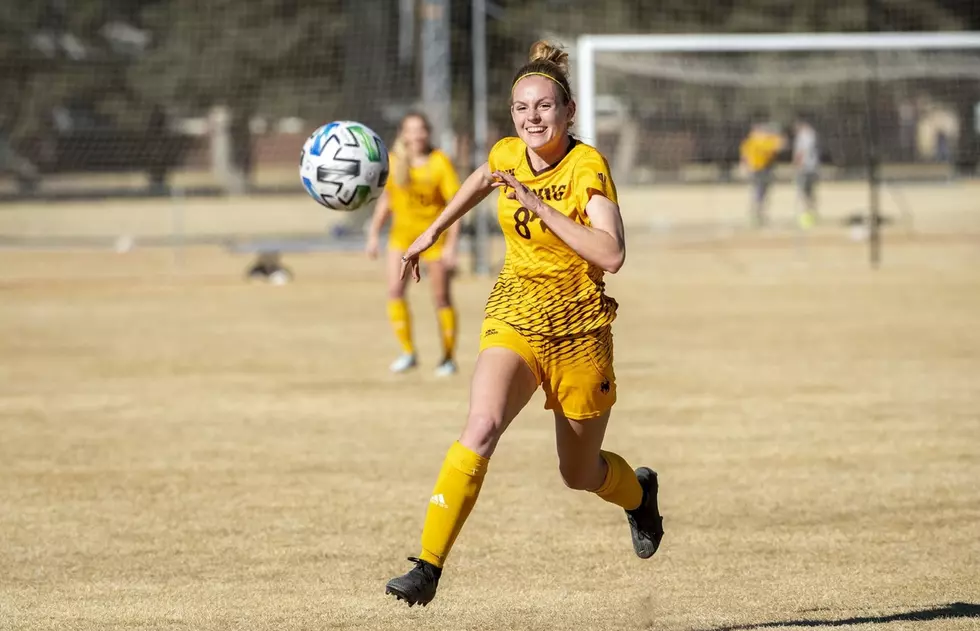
<point x="759" y="151"/>
<point x="806" y="159"/>
<point x="547" y="319"/>
<point x="422" y="181"/>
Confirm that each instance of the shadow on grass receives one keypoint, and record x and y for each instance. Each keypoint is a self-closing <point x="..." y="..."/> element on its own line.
<point x="950" y="611"/>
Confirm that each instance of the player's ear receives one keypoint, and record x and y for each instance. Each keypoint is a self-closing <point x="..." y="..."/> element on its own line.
<point x="570" y="110"/>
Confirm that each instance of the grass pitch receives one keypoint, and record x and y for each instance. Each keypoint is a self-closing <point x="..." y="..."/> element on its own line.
<point x="181" y="450"/>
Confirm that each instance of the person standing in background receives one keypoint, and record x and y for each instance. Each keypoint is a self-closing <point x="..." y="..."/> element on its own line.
<point x="759" y="151"/>
<point x="806" y="159"/>
<point x="422" y="182"/>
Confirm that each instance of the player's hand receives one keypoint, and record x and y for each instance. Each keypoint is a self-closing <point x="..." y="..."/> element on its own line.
<point x="371" y="248"/>
<point x="515" y="190"/>
<point x="410" y="260"/>
<point x="449" y="259"/>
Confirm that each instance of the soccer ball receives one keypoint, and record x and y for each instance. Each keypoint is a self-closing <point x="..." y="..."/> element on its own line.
<point x="344" y="165"/>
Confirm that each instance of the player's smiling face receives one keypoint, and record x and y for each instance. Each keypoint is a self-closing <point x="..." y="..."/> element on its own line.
<point x="416" y="135"/>
<point x="540" y="117"/>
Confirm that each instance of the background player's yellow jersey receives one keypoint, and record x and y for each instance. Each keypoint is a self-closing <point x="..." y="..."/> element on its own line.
<point x="545" y="287"/>
<point x="760" y="149"/>
<point x="414" y="207"/>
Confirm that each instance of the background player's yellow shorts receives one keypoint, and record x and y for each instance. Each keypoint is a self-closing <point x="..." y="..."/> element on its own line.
<point x="575" y="372"/>
<point x="401" y="240"/>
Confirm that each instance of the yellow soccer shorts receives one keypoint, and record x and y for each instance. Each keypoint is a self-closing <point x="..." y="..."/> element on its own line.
<point x="576" y="372"/>
<point x="400" y="240"/>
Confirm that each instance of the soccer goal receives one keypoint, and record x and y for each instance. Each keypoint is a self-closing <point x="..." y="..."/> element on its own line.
<point x="896" y="116"/>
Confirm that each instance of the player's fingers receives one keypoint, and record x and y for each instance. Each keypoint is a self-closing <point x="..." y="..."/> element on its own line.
<point x="507" y="178"/>
<point x="415" y="270"/>
<point x="408" y="260"/>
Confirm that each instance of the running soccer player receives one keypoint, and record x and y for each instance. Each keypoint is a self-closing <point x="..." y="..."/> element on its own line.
<point x="547" y="319"/>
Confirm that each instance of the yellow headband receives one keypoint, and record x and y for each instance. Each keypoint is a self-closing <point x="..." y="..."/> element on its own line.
<point x="541" y="74"/>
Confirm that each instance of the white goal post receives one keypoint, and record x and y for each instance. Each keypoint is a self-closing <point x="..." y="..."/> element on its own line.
<point x="588" y="45"/>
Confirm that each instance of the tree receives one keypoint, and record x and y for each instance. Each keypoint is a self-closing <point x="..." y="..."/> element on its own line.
<point x="277" y="56"/>
<point x="54" y="55"/>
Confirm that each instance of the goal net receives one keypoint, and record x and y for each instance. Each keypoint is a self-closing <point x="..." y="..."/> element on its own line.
<point x="672" y="113"/>
<point x="155" y="118"/>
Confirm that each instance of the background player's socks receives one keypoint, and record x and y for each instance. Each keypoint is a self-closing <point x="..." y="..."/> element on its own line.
<point x="620" y="486"/>
<point x="401" y="322"/>
<point x="447" y="327"/>
<point x="452" y="500"/>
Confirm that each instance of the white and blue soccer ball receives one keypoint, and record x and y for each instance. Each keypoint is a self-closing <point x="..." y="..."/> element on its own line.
<point x="344" y="165"/>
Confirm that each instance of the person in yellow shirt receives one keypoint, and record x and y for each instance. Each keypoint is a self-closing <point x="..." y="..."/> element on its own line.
<point x="759" y="151"/>
<point x="422" y="181"/>
<point x="547" y="319"/>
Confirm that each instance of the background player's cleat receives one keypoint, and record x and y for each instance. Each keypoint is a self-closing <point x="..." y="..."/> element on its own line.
<point x="403" y="362"/>
<point x="418" y="586"/>
<point x="280" y="277"/>
<point x="646" y="524"/>
<point x="807" y="219"/>
<point x="446" y="369"/>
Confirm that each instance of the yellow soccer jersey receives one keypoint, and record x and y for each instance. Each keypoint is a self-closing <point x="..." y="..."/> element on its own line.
<point x="545" y="288"/>
<point x="760" y="149"/>
<point x="430" y="187"/>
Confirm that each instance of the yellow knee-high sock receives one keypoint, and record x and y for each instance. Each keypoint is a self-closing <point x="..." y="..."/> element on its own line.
<point x="447" y="326"/>
<point x="452" y="500"/>
<point x="620" y="486"/>
<point x="401" y="322"/>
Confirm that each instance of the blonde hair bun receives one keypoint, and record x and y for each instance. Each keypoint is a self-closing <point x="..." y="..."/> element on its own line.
<point x="544" y="50"/>
<point x="400" y="170"/>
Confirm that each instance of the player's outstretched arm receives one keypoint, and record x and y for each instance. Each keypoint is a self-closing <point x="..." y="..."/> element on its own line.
<point x="603" y="243"/>
<point x="473" y="191"/>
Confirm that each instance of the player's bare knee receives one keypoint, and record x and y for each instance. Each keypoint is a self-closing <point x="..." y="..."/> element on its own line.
<point x="482" y="432"/>
<point x="396" y="292"/>
<point x="577" y="476"/>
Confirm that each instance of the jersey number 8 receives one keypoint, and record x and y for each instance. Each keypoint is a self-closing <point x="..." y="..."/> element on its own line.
<point x="521" y="217"/>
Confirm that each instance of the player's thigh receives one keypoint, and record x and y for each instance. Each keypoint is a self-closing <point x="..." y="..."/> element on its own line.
<point x="502" y="384"/>
<point x="393" y="269"/>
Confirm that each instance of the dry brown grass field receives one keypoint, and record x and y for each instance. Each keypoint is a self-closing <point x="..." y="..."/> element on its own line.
<point x="182" y="450"/>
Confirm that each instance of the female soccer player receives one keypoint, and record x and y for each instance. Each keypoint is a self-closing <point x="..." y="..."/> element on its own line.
<point x="547" y="318"/>
<point x="422" y="181"/>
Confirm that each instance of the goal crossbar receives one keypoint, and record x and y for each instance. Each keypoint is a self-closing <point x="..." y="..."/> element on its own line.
<point x="588" y="45"/>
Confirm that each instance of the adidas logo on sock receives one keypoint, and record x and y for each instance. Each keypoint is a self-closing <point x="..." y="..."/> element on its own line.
<point x="439" y="500"/>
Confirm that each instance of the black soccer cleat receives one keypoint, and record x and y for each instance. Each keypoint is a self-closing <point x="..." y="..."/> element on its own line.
<point x="646" y="523"/>
<point x="418" y="586"/>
